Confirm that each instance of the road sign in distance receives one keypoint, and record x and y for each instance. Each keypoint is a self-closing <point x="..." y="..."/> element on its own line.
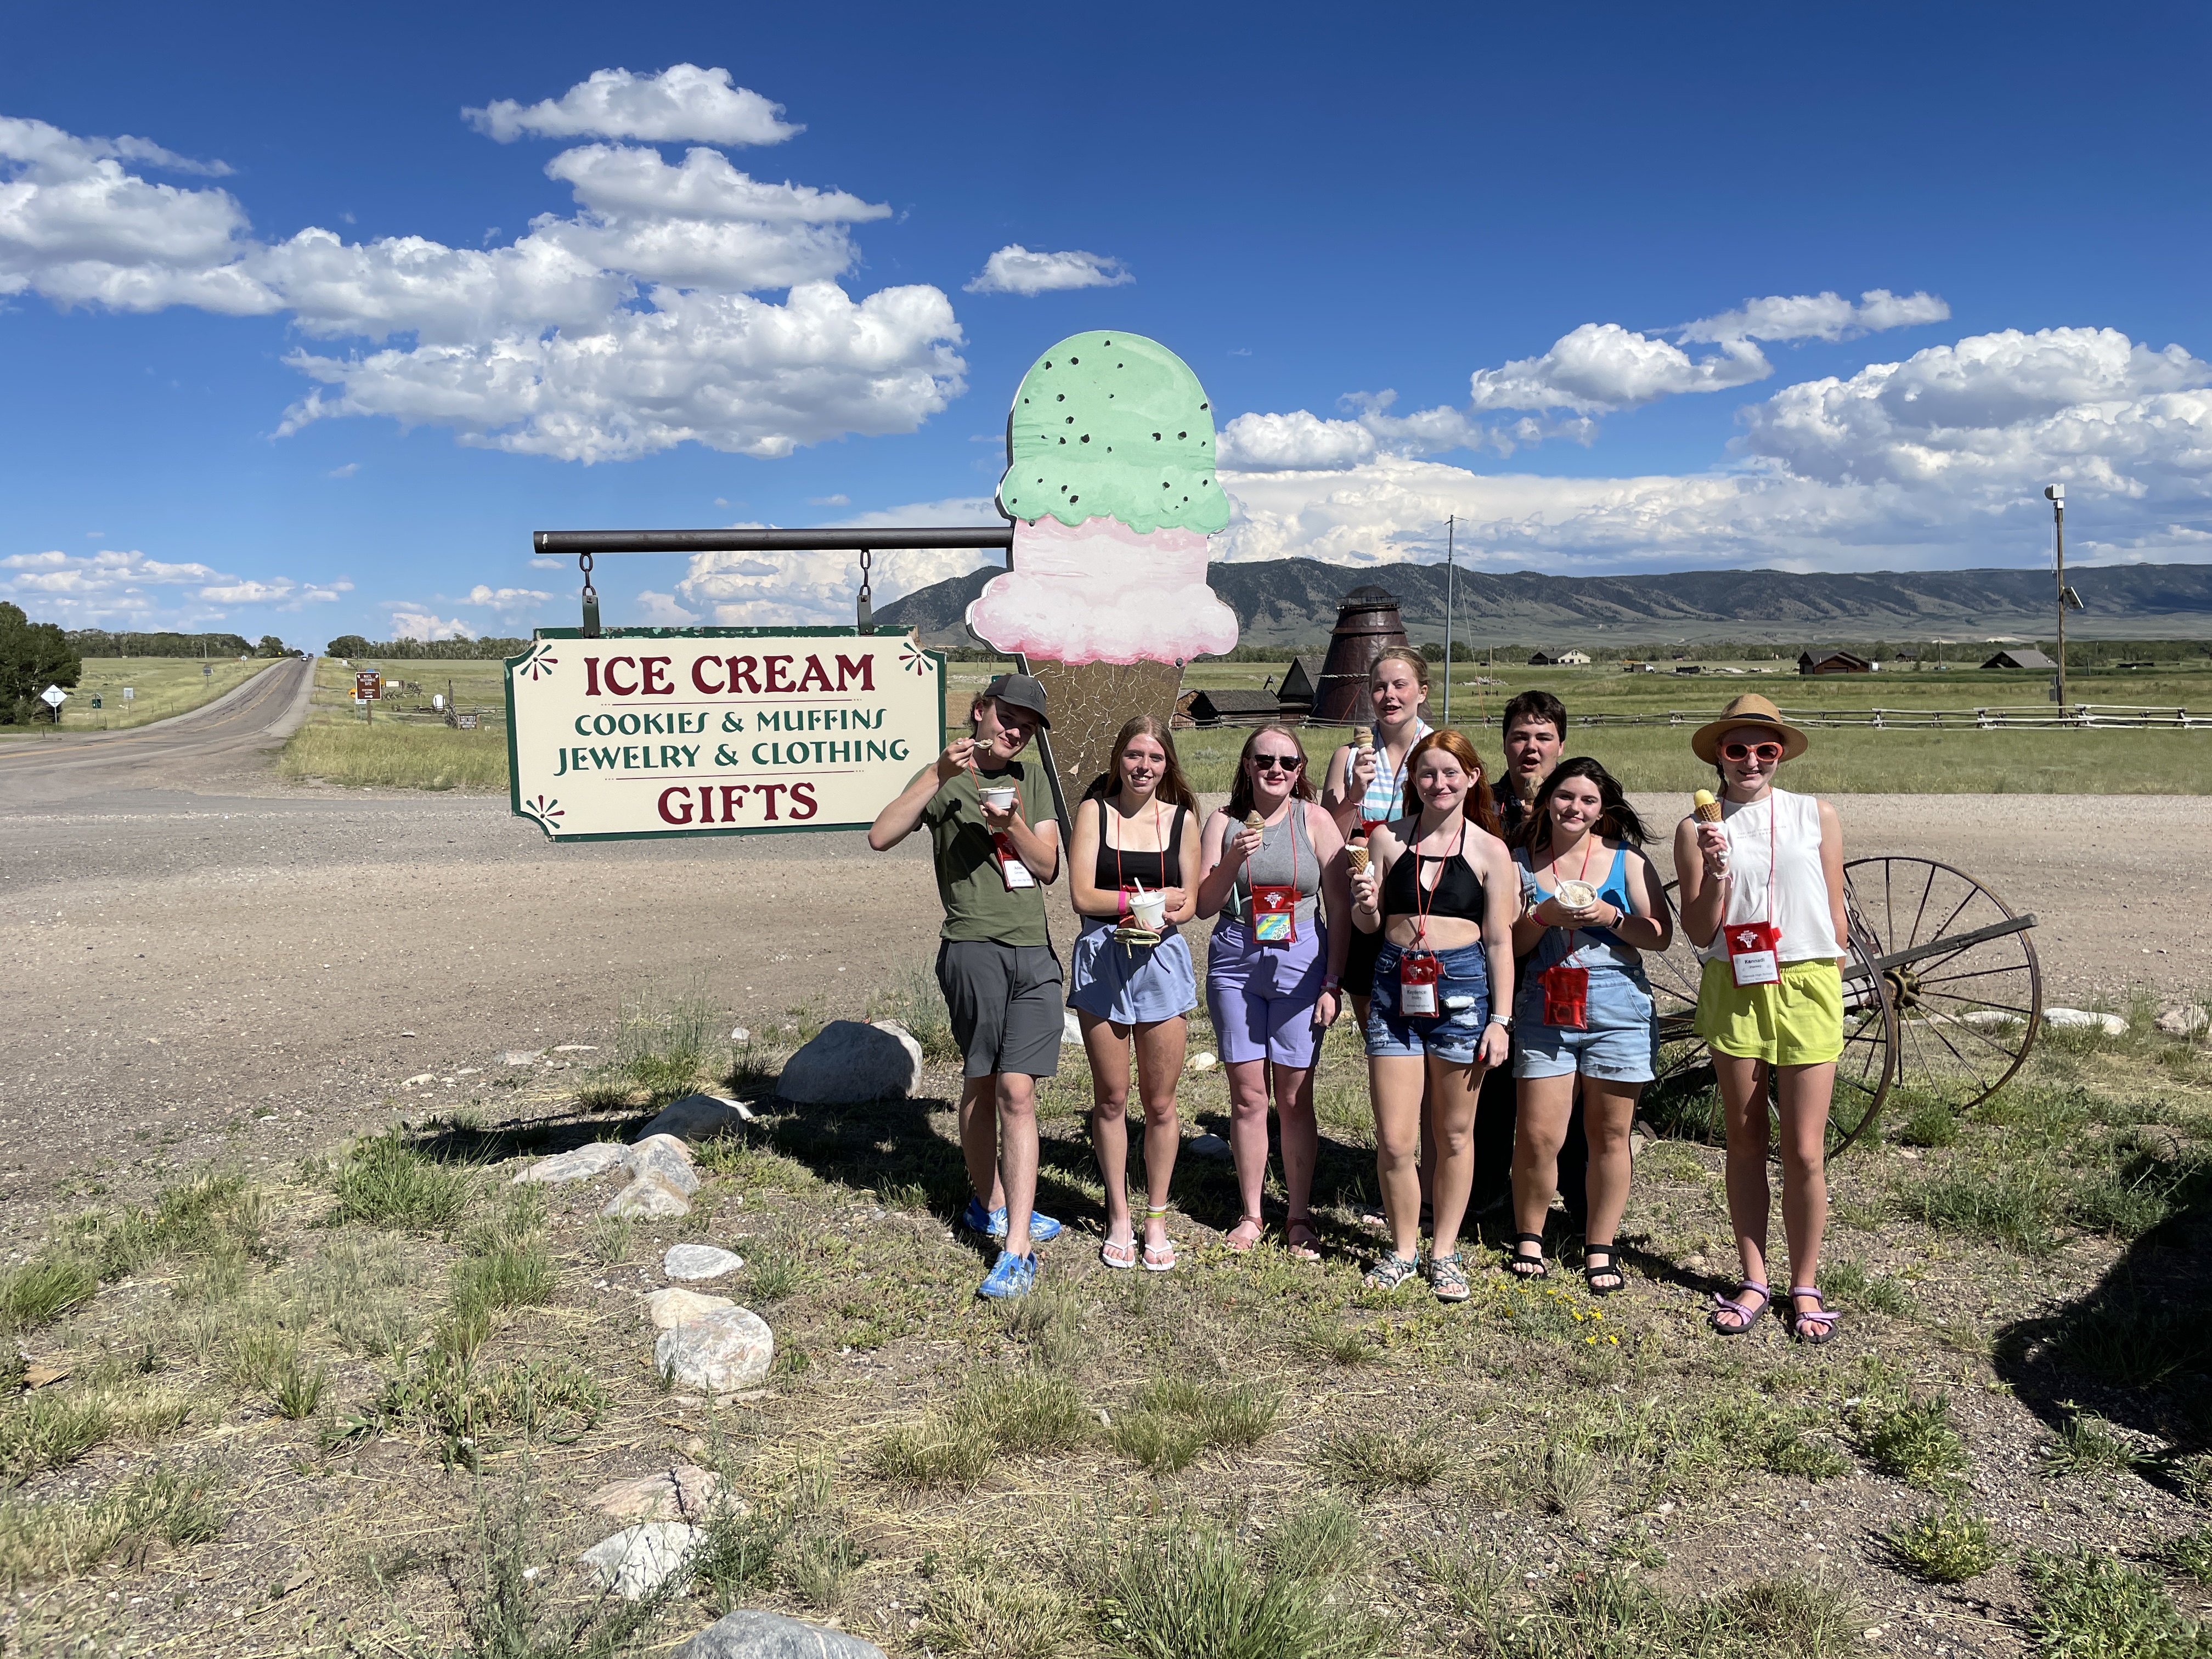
<point x="53" y="696"/>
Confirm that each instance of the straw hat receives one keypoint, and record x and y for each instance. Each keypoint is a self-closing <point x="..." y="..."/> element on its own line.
<point x="1749" y="709"/>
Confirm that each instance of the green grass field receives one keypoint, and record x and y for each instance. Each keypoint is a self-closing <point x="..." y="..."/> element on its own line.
<point x="403" y="749"/>
<point x="165" y="686"/>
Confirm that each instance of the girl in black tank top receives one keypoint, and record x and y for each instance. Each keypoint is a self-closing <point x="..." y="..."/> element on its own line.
<point x="1120" y="868"/>
<point x="1458" y="892"/>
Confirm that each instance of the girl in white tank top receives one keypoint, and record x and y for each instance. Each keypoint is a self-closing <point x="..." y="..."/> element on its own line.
<point x="1787" y="889"/>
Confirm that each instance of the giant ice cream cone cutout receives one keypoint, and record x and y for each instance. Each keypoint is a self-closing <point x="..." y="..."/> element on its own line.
<point x="1109" y="480"/>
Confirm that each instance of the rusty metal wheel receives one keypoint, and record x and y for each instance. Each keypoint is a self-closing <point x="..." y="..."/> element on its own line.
<point x="1958" y="965"/>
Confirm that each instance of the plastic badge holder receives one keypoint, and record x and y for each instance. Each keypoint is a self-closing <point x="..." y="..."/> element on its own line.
<point x="1417" y="974"/>
<point x="1566" y="996"/>
<point x="1275" y="914"/>
<point x="1753" y="948"/>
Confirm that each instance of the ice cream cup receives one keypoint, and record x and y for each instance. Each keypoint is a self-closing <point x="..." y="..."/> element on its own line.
<point x="1575" y="896"/>
<point x="1150" y="911"/>
<point x="1000" y="798"/>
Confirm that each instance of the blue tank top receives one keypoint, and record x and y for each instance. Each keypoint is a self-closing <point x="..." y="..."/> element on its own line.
<point x="1595" y="948"/>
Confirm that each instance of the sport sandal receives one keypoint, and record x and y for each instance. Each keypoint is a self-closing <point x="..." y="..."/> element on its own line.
<point x="1595" y="1270"/>
<point x="1448" y="1278"/>
<point x="1528" y="1266"/>
<point x="1391" y="1272"/>
<point x="1746" y="1316"/>
<point x="1801" y="1322"/>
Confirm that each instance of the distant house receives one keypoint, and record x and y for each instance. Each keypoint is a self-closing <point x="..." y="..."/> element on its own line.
<point x="1212" y="708"/>
<point x="2021" y="656"/>
<point x="1572" y="659"/>
<point x="1689" y="668"/>
<point x="1541" y="659"/>
<point x="1832" y="662"/>
<point x="1297" y="690"/>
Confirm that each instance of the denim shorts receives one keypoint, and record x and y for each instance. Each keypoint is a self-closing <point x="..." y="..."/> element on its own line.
<point x="1455" y="1033"/>
<point x="1620" y="1045"/>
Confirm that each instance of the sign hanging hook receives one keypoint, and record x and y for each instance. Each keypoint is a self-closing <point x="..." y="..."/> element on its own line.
<point x="590" y="598"/>
<point x="864" y="619"/>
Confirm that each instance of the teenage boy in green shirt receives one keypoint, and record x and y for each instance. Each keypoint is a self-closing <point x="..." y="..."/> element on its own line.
<point x="994" y="858"/>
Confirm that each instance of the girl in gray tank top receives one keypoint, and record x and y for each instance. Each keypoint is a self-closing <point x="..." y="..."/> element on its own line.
<point x="1286" y="858"/>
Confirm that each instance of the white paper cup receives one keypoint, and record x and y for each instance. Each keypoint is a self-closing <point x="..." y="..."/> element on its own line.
<point x="1151" y="911"/>
<point x="1575" y="896"/>
<point x="999" y="799"/>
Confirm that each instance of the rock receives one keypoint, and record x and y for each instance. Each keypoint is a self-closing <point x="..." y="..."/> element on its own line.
<point x="751" y="1634"/>
<point x="1204" y="1061"/>
<point x="718" y="1353"/>
<point x="581" y="1164"/>
<point x="648" y="1196"/>
<point x="683" y="1493"/>
<point x="419" y="1079"/>
<point x="697" y="1117"/>
<point x="741" y="1035"/>
<point x="663" y="1156"/>
<point x="1208" y="1145"/>
<point x="670" y="1308"/>
<point x="1071" y="1030"/>
<point x="2082" y="1019"/>
<point x="850" y="1062"/>
<point x="520" y="1057"/>
<point x="693" y="1262"/>
<point x="1988" y="1018"/>
<point x="2184" y="1019"/>
<point x="575" y="1048"/>
<point x="639" y="1559"/>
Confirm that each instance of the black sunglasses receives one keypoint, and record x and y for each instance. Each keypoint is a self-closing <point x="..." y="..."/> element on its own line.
<point x="1277" y="762"/>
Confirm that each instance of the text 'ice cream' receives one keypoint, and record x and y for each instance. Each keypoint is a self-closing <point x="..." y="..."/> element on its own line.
<point x="1110" y="481"/>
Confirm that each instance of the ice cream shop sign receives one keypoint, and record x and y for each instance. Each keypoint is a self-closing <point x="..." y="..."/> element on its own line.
<point x="716" y="730"/>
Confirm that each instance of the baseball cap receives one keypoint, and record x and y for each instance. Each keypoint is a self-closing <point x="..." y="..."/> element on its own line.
<point x="1023" y="691"/>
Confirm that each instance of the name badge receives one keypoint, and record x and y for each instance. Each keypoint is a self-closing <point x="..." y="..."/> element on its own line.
<point x="1417" y="983"/>
<point x="1012" y="870"/>
<point x="1275" y="914"/>
<point x="1752" y="948"/>
<point x="1566" y="996"/>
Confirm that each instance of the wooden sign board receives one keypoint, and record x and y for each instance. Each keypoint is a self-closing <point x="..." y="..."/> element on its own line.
<point x="650" y="732"/>
<point x="367" y="685"/>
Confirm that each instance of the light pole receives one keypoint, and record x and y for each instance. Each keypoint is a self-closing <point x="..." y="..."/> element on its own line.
<point x="1449" y="523"/>
<point x="2055" y="494"/>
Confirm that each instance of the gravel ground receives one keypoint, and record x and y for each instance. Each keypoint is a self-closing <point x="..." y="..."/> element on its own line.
<point x="208" y="943"/>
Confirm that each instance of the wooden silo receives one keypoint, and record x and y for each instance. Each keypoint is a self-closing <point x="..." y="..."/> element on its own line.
<point x="1367" y="624"/>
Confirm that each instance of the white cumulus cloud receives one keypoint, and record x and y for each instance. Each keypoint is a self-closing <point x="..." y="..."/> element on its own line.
<point x="127" y="588"/>
<point x="1937" y="460"/>
<point x="683" y="102"/>
<point x="1015" y="269"/>
<point x="771" y="590"/>
<point x="411" y="621"/>
<point x="507" y="600"/>
<point x="626" y="327"/>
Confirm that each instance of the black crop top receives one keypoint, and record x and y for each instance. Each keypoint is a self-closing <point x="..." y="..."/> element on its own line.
<point x="1457" y="893"/>
<point x="1151" y="869"/>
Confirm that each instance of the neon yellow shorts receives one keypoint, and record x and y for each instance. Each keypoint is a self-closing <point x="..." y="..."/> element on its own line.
<point x="1798" y="1021"/>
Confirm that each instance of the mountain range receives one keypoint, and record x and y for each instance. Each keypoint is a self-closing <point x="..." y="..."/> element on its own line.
<point x="1293" y="603"/>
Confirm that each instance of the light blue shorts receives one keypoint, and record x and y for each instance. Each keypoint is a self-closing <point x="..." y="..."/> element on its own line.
<point x="1621" y="1047"/>
<point x="1462" y="995"/>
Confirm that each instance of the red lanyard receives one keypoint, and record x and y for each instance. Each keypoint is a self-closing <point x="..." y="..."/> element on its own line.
<point x="1581" y="875"/>
<point x="1421" y="910"/>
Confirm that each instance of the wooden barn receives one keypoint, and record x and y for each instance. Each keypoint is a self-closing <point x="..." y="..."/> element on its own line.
<point x="2020" y="656"/>
<point x="1295" y="693"/>
<point x="1832" y="662"/>
<point x="1212" y="708"/>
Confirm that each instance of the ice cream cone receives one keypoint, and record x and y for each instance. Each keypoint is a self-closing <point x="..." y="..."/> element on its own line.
<point x="1362" y="738"/>
<point x="1255" y="823"/>
<point x="1705" y="807"/>
<point x="1356" y="856"/>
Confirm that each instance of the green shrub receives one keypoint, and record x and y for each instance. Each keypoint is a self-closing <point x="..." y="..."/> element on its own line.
<point x="1915" y="1443"/>
<point x="384" y="1182"/>
<point x="2089" y="1606"/>
<point x="1945" y="1546"/>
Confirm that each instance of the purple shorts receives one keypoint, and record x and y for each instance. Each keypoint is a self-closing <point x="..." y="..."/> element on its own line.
<point x="1262" y="997"/>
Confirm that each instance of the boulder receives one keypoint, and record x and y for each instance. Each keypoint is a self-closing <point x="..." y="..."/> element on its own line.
<point x="720" y="1353"/>
<point x="2184" y="1019"/>
<point x="639" y="1559"/>
<point x="751" y="1634"/>
<point x="850" y="1062"/>
<point x="685" y="1493"/>
<point x="1206" y="1146"/>
<point x="670" y="1308"/>
<point x="663" y="1156"/>
<point x="521" y="1057"/>
<point x="2082" y="1019"/>
<point x="582" y="1165"/>
<point x="647" y="1197"/>
<point x="697" y="1117"/>
<point x="693" y="1262"/>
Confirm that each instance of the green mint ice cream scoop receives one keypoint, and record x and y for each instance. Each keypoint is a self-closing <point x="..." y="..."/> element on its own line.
<point x="1113" y="425"/>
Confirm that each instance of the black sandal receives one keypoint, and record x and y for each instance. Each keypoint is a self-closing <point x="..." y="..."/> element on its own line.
<point x="1608" y="1268"/>
<point x="1528" y="1266"/>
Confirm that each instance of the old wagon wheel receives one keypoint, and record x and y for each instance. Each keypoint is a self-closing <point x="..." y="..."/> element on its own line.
<point x="1683" y="1089"/>
<point x="1959" y="966"/>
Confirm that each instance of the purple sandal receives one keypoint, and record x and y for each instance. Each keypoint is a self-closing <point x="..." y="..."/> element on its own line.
<point x="1798" y="1319"/>
<point x="1748" y="1315"/>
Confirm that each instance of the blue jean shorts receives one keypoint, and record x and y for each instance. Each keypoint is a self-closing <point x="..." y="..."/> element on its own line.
<point x="1462" y="996"/>
<point x="1620" y="1045"/>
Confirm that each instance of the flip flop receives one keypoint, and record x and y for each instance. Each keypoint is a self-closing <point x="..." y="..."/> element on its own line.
<point x="1121" y="1256"/>
<point x="1161" y="1258"/>
<point x="1749" y="1315"/>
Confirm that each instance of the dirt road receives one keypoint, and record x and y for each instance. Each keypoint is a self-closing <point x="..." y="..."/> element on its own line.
<point x="194" y="945"/>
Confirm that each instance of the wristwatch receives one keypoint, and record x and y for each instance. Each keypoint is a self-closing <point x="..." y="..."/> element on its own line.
<point x="1332" y="984"/>
<point x="1506" y="1020"/>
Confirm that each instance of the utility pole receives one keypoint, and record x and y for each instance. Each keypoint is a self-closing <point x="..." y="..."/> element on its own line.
<point x="1450" y="523"/>
<point x="2055" y="494"/>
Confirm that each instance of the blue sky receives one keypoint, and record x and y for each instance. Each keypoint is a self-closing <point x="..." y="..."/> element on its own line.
<point x="1654" y="289"/>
